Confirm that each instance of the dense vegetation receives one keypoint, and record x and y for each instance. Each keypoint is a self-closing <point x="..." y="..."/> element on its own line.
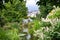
<point x="46" y="26"/>
<point x="46" y="6"/>
<point x="13" y="12"/>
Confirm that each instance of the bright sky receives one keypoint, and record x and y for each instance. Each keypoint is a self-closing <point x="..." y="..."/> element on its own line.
<point x="31" y="4"/>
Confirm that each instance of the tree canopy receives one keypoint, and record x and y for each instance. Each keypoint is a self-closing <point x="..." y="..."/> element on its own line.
<point x="46" y="6"/>
<point x="13" y="12"/>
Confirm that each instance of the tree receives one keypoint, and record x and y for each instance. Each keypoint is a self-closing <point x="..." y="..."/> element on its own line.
<point x="46" y="6"/>
<point x="6" y="1"/>
<point x="13" y="12"/>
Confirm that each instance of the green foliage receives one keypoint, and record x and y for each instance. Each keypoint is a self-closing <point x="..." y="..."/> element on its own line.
<point x="2" y="21"/>
<point x="12" y="34"/>
<point x="36" y="24"/>
<point x="56" y="32"/>
<point x="14" y="12"/>
<point x="52" y="2"/>
<point x="46" y="6"/>
<point x="9" y="34"/>
<point x="2" y="6"/>
<point x="45" y="10"/>
<point x="3" y="35"/>
<point x="11" y="16"/>
<point x="56" y="14"/>
<point x="48" y="33"/>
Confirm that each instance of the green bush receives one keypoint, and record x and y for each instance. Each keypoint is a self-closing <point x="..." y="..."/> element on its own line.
<point x="56" y="14"/>
<point x="3" y="35"/>
<point x="11" y="34"/>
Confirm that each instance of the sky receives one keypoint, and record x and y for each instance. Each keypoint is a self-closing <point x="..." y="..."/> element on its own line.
<point x="31" y="4"/>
